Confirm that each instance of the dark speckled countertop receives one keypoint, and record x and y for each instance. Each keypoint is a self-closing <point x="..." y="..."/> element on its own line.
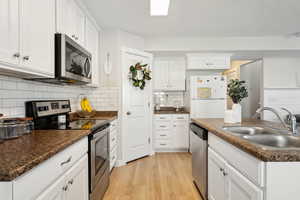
<point x="268" y="155"/>
<point x="22" y="154"/>
<point x="19" y="155"/>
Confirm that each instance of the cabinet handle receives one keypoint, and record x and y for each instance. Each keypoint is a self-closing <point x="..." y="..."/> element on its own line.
<point x="17" y="55"/>
<point x="71" y="182"/>
<point x="174" y="125"/>
<point x="163" y="144"/>
<point x="26" y="58"/>
<point x="65" y="188"/>
<point x="162" y="126"/>
<point x="67" y="161"/>
<point x="162" y="118"/>
<point x="180" y="118"/>
<point x="163" y="135"/>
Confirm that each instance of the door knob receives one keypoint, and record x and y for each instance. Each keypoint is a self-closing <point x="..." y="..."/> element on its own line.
<point x="26" y="58"/>
<point x="128" y="113"/>
<point x="16" y="55"/>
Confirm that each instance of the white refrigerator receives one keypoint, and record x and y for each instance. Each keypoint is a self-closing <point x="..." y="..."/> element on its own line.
<point x="208" y="96"/>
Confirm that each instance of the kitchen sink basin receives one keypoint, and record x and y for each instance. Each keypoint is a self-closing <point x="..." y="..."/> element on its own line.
<point x="277" y="141"/>
<point x="266" y="137"/>
<point x="252" y="130"/>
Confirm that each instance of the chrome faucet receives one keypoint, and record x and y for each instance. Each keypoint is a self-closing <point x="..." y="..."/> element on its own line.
<point x="292" y="123"/>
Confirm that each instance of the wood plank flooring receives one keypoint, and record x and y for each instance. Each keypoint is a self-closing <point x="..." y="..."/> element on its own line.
<point x="164" y="176"/>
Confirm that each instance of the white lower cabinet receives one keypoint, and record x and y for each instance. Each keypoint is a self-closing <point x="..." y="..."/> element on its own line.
<point x="171" y="132"/>
<point x="73" y="185"/>
<point x="226" y="183"/>
<point x="216" y="180"/>
<point x="113" y="137"/>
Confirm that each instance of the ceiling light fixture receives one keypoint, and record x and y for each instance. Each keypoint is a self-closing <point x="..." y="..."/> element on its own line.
<point x="159" y="7"/>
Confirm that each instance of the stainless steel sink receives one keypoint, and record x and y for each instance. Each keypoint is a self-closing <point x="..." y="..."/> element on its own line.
<point x="277" y="141"/>
<point x="252" y="130"/>
<point x="266" y="137"/>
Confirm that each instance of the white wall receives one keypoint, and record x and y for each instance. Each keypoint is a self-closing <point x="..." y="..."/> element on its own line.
<point x="282" y="71"/>
<point x="252" y="74"/>
<point x="221" y="44"/>
<point x="281" y="84"/>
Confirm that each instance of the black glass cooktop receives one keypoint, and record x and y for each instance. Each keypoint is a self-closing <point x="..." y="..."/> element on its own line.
<point x="81" y="124"/>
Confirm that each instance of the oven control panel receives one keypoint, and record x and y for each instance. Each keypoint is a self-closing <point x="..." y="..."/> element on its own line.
<point x="47" y="108"/>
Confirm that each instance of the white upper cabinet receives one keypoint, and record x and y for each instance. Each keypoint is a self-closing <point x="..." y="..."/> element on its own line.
<point x="71" y="20"/>
<point x="160" y="74"/>
<point x="9" y="27"/>
<point x="169" y="74"/>
<point x="27" y="37"/>
<point x="37" y="35"/>
<point x="92" y="45"/>
<point x="208" y="61"/>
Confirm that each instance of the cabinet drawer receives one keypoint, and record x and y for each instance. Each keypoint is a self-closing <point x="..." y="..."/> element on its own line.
<point x="162" y="134"/>
<point x="113" y="125"/>
<point x="48" y="171"/>
<point x="163" y="144"/>
<point x="113" y="140"/>
<point x="181" y="117"/>
<point x="162" y="125"/>
<point x="163" y="117"/>
<point x="246" y="164"/>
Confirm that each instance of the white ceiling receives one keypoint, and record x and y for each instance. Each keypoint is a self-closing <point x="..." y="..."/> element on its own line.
<point x="203" y="18"/>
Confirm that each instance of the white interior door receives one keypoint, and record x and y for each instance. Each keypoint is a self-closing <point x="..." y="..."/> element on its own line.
<point x="136" y="109"/>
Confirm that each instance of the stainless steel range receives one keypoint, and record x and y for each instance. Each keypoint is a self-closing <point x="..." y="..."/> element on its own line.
<point x="54" y="114"/>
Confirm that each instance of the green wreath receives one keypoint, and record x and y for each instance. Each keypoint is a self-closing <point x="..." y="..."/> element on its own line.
<point x="134" y="76"/>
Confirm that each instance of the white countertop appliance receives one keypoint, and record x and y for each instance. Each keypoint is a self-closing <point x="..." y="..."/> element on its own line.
<point x="208" y="96"/>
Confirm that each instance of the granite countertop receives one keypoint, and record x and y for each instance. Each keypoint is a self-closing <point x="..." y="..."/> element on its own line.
<point x="170" y="112"/>
<point x="18" y="156"/>
<point x="22" y="154"/>
<point x="268" y="155"/>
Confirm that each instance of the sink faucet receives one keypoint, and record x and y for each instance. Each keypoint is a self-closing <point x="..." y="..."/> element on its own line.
<point x="292" y="121"/>
<point x="292" y="124"/>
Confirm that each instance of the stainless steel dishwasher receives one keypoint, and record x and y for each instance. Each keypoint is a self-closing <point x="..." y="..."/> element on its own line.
<point x="199" y="158"/>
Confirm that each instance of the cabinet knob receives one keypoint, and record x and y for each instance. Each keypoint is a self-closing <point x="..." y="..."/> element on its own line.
<point x="128" y="113"/>
<point x="65" y="188"/>
<point x="71" y="182"/>
<point x="17" y="55"/>
<point x="26" y="58"/>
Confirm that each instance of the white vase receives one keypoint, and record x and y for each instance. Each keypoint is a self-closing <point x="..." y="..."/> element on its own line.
<point x="237" y="113"/>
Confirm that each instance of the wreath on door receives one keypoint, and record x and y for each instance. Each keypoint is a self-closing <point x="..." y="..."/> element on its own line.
<point x="139" y="74"/>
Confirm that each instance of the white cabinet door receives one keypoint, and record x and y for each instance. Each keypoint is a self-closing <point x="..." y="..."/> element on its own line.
<point x="92" y="44"/>
<point x="9" y="28"/>
<point x="37" y="36"/>
<point x="55" y="191"/>
<point x="71" y="20"/>
<point x="161" y="74"/>
<point x="216" y="179"/>
<point x="77" y="181"/>
<point x="240" y="188"/>
<point x="79" y="22"/>
<point x="181" y="134"/>
<point x="176" y="74"/>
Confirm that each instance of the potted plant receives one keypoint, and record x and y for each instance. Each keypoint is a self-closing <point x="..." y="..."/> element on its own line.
<point x="237" y="91"/>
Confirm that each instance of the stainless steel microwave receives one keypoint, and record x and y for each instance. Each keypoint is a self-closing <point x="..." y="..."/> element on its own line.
<point x="73" y="64"/>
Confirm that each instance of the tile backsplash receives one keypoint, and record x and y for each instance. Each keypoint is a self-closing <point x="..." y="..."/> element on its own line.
<point x="169" y="98"/>
<point x="15" y="92"/>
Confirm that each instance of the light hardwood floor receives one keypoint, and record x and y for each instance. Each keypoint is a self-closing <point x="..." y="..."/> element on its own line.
<point x="164" y="176"/>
